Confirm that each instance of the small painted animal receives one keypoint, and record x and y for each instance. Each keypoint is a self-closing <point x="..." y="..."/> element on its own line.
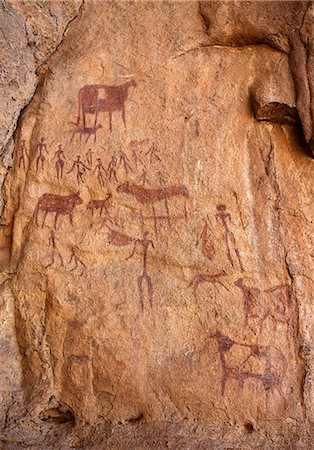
<point x="89" y="131"/>
<point x="99" y="204"/>
<point x="58" y="204"/>
<point x="204" y="278"/>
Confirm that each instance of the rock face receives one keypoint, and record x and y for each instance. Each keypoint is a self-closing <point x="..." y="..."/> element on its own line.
<point x="30" y="33"/>
<point x="156" y="236"/>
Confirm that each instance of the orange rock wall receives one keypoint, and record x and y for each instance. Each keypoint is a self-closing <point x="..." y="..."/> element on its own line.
<point x="156" y="233"/>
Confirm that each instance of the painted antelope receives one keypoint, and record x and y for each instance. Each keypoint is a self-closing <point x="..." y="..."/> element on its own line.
<point x="147" y="196"/>
<point x="81" y="129"/>
<point x="204" y="278"/>
<point x="99" y="204"/>
<point x="90" y="101"/>
<point x="58" y="204"/>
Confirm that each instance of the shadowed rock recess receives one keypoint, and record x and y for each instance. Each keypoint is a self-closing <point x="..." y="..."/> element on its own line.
<point x="156" y="227"/>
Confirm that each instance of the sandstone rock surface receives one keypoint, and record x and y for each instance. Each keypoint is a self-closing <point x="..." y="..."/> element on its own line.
<point x="156" y="236"/>
<point x="30" y="33"/>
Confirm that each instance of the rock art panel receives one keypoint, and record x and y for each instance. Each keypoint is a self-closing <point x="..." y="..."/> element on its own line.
<point x="152" y="248"/>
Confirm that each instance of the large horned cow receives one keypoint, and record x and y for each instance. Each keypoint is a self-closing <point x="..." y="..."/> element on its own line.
<point x="91" y="102"/>
<point x="58" y="204"/>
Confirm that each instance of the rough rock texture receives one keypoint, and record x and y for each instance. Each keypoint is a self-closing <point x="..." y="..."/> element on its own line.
<point x="156" y="286"/>
<point x="287" y="26"/>
<point x="30" y="31"/>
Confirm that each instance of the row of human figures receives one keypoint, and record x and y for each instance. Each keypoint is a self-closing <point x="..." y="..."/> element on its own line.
<point x="119" y="162"/>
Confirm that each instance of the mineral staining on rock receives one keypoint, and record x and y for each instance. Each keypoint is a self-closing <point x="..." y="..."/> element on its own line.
<point x="153" y="248"/>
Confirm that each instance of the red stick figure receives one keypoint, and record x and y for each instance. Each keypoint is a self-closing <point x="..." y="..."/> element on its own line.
<point x="137" y="150"/>
<point x="112" y="169"/>
<point x="145" y="243"/>
<point x="100" y="170"/>
<point x="22" y="152"/>
<point x="41" y="147"/>
<point x="54" y="252"/>
<point x="120" y="239"/>
<point x="59" y="161"/>
<point x="80" y="169"/>
<point x="77" y="261"/>
<point x="124" y="162"/>
<point x="229" y="236"/>
<point x="208" y="248"/>
<point x="89" y="157"/>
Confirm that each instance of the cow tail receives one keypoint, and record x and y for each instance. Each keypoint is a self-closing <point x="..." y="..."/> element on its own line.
<point x="35" y="215"/>
<point x="79" y="108"/>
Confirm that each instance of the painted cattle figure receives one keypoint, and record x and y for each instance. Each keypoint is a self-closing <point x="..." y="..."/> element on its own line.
<point x="91" y="101"/>
<point x="58" y="204"/>
<point x="99" y="204"/>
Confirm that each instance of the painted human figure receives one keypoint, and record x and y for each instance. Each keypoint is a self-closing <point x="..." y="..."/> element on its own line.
<point x="124" y="162"/>
<point x="80" y="169"/>
<point x="22" y="152"/>
<point x="225" y="219"/>
<point x="89" y="157"/>
<point x="208" y="249"/>
<point x="144" y="243"/>
<point x="40" y="149"/>
<point x="112" y="169"/>
<point x="60" y="159"/>
<point x="76" y="261"/>
<point x="100" y="171"/>
<point x="54" y="252"/>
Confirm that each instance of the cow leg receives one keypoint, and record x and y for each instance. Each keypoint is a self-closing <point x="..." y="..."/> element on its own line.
<point x="56" y="219"/>
<point x="140" y="290"/>
<point x="168" y="212"/>
<point x="110" y="121"/>
<point x="36" y="215"/>
<point x="123" y="116"/>
<point x="45" y="215"/>
<point x="223" y="381"/>
<point x="71" y="218"/>
<point x="185" y="211"/>
<point x="96" y="117"/>
<point x="61" y="258"/>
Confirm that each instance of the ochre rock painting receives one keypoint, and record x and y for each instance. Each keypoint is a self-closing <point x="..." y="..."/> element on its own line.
<point x="156" y="242"/>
